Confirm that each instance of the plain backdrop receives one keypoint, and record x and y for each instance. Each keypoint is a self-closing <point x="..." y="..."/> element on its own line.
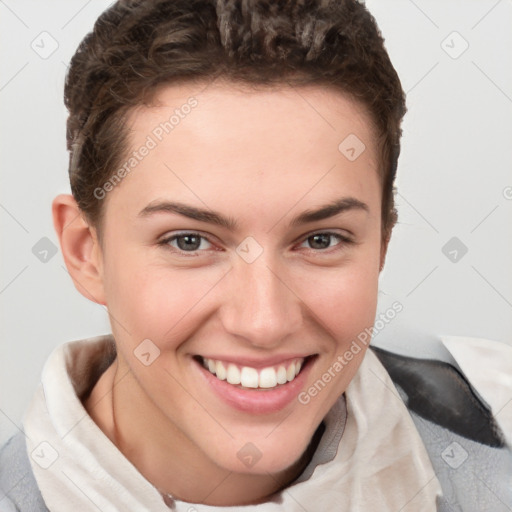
<point x="450" y="259"/>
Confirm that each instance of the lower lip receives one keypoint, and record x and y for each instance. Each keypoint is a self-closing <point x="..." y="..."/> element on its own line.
<point x="257" y="401"/>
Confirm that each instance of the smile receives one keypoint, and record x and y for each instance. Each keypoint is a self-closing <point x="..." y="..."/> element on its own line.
<point x="269" y="377"/>
<point x="255" y="387"/>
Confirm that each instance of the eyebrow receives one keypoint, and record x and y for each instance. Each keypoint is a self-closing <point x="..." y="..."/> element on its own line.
<point x="204" y="215"/>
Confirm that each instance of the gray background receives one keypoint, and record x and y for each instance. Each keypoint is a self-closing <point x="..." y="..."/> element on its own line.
<point x="455" y="180"/>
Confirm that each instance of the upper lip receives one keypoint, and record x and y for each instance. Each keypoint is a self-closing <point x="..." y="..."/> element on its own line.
<point x="256" y="362"/>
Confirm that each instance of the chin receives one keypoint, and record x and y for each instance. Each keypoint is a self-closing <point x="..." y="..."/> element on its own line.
<point x="266" y="454"/>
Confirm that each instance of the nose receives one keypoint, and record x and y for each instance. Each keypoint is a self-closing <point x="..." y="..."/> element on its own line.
<point x="261" y="307"/>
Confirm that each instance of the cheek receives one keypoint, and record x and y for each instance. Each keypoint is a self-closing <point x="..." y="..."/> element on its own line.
<point x="356" y="304"/>
<point x="344" y="300"/>
<point x="155" y="301"/>
<point x="344" y="304"/>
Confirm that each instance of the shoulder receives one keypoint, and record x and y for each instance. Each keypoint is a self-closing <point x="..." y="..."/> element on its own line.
<point x="439" y="392"/>
<point x="466" y="439"/>
<point x="18" y="487"/>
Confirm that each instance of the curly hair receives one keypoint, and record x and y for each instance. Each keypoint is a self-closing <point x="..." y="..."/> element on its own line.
<point x="136" y="46"/>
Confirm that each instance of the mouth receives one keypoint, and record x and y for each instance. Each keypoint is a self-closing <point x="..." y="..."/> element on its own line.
<point x="257" y="388"/>
<point x="247" y="377"/>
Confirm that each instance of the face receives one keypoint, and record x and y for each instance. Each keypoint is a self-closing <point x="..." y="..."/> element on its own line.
<point x="213" y="254"/>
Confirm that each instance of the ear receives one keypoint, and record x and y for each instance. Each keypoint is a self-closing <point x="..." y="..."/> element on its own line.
<point x="80" y="248"/>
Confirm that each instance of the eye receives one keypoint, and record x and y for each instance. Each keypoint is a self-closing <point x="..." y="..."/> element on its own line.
<point x="324" y="241"/>
<point x="193" y="242"/>
<point x="186" y="242"/>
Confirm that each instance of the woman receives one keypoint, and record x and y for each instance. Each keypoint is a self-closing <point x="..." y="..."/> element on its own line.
<point x="232" y="169"/>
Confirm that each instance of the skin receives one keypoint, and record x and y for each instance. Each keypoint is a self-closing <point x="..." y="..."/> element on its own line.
<point x="260" y="157"/>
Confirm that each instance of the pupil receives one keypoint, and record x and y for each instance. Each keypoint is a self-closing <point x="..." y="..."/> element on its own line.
<point x="320" y="241"/>
<point x="190" y="242"/>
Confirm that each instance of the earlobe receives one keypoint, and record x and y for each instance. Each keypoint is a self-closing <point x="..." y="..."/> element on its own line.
<point x="80" y="248"/>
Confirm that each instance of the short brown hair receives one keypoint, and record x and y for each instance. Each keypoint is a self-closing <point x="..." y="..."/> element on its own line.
<point x="138" y="45"/>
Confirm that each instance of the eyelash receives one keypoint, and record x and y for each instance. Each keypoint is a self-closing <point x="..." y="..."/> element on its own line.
<point x="343" y="240"/>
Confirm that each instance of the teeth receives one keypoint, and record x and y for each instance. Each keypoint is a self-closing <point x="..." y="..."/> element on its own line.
<point x="248" y="377"/>
<point x="268" y="378"/>
<point x="220" y="370"/>
<point x="233" y="375"/>
<point x="281" y="375"/>
<point x="290" y="373"/>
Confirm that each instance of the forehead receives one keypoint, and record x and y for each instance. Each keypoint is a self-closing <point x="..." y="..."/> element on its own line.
<point x="259" y="110"/>
<point x="213" y="141"/>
